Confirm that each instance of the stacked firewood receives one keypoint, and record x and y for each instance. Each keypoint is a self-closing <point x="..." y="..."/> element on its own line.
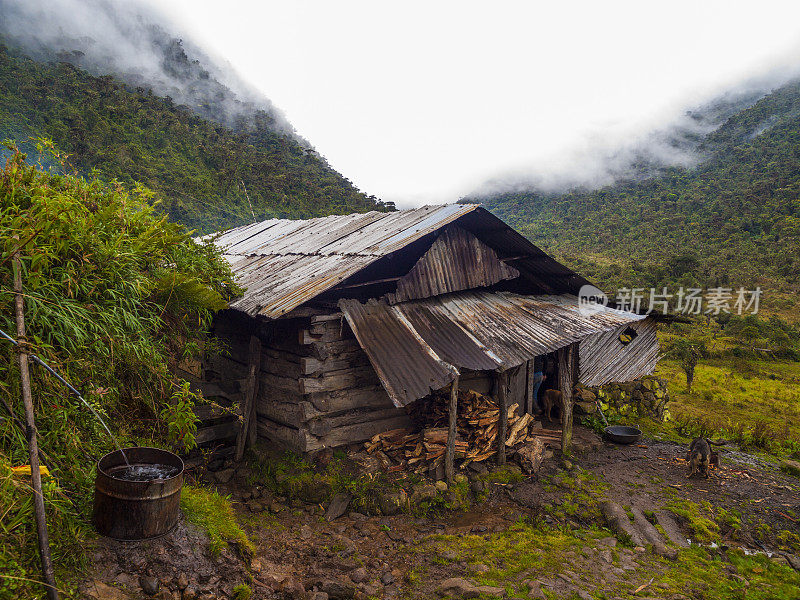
<point x="476" y="439"/>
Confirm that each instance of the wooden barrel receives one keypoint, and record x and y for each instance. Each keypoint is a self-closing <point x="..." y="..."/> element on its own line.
<point x="136" y="510"/>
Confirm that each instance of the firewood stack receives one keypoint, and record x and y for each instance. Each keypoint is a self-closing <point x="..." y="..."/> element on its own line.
<point x="476" y="439"/>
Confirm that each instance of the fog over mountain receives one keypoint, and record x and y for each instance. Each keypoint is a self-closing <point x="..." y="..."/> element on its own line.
<point x="141" y="47"/>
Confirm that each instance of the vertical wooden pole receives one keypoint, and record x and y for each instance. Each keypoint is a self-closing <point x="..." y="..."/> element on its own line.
<point x="248" y="405"/>
<point x="33" y="444"/>
<point x="450" y="452"/>
<point x="501" y="380"/>
<point x="566" y="373"/>
<point x="529" y="371"/>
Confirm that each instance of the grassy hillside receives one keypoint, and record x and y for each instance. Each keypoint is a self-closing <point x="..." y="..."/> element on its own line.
<point x="733" y="220"/>
<point x="208" y="176"/>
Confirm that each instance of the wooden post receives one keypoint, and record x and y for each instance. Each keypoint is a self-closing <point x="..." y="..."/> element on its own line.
<point x="501" y="380"/>
<point x="566" y="381"/>
<point x="450" y="452"/>
<point x="246" y="432"/>
<point x="33" y="445"/>
<point x="529" y="371"/>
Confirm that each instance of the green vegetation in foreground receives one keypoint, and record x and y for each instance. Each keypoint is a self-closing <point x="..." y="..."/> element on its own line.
<point x="732" y="220"/>
<point x="527" y="551"/>
<point x="114" y="295"/>
<point x="207" y="176"/>
<point x="213" y="513"/>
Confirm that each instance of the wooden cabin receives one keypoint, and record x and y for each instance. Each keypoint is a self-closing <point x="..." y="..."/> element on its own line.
<point x="346" y="321"/>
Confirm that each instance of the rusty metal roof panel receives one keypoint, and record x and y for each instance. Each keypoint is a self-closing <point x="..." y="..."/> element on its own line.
<point x="477" y="330"/>
<point x="283" y="263"/>
<point x="396" y="350"/>
<point x="603" y="359"/>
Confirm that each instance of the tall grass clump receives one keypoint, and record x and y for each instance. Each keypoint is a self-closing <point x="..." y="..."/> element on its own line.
<point x="115" y="296"/>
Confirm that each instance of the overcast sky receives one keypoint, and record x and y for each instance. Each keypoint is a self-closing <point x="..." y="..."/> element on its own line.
<point x="418" y="102"/>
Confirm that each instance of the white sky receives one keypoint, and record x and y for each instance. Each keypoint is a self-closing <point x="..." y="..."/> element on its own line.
<point x="420" y="101"/>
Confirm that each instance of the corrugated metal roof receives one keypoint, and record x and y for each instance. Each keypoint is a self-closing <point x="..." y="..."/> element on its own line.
<point x="283" y="263"/>
<point x="603" y="359"/>
<point x="476" y="329"/>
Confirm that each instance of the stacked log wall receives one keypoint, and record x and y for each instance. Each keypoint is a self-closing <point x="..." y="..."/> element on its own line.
<point x="317" y="388"/>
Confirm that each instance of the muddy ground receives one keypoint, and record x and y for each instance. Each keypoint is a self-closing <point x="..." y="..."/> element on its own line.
<point x="481" y="552"/>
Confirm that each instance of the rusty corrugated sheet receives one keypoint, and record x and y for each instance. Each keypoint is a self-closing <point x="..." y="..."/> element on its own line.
<point x="283" y="263"/>
<point x="477" y="330"/>
<point x="395" y="348"/>
<point x="603" y="359"/>
<point x="456" y="261"/>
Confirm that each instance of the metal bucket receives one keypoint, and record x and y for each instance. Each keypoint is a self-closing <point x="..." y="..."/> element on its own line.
<point x="136" y="510"/>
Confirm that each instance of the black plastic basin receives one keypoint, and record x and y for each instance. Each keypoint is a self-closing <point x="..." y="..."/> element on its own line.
<point x="622" y="434"/>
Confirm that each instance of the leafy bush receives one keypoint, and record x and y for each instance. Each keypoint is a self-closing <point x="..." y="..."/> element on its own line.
<point x="115" y="295"/>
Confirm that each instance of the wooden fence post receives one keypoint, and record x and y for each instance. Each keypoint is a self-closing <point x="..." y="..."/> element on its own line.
<point x="501" y="381"/>
<point x="529" y="383"/>
<point x="33" y="445"/>
<point x="450" y="452"/>
<point x="567" y="357"/>
<point x="247" y="431"/>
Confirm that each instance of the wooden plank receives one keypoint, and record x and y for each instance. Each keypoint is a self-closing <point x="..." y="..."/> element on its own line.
<point x="324" y="350"/>
<point x="502" y="379"/>
<point x="314" y="366"/>
<point x="289" y="437"/>
<point x="209" y="412"/>
<point x="339" y="380"/>
<point x="325" y="424"/>
<point x="305" y="337"/>
<point x="293" y="414"/>
<point x="249" y="397"/>
<point x="450" y="452"/>
<point x="529" y="383"/>
<point x="331" y="317"/>
<point x="217" y="432"/>
<point x="276" y="382"/>
<point x="359" y="432"/>
<point x="373" y="396"/>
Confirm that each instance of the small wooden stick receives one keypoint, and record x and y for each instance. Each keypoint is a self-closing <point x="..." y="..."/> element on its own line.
<point x="33" y="445"/>
<point x="450" y="452"/>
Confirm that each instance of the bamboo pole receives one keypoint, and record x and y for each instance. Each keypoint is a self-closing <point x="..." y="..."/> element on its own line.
<point x="450" y="452"/>
<point x="501" y="380"/>
<point x="33" y="445"/>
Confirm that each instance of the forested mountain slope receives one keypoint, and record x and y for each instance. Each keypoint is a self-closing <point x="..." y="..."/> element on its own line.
<point x="207" y="175"/>
<point x="732" y="220"/>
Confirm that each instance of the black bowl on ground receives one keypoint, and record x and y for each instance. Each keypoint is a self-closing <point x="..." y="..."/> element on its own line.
<point x="622" y="434"/>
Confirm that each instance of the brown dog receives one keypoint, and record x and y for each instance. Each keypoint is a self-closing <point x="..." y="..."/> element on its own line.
<point x="550" y="398"/>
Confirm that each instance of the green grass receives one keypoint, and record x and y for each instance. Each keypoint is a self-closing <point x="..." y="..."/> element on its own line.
<point x="754" y="402"/>
<point x="213" y="513"/>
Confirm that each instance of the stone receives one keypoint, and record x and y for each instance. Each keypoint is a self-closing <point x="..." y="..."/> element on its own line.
<point x="480" y="569"/>
<point x="424" y="491"/>
<point x="305" y="532"/>
<point x="791" y="466"/>
<point x="441" y="486"/>
<point x="793" y="560"/>
<point x="254" y="506"/>
<point x="190" y="593"/>
<point x="584" y="595"/>
<point x="460" y="478"/>
<point x="476" y="485"/>
<point x="387" y="578"/>
<point x="338" y="506"/>
<point x="357" y="516"/>
<point x="292" y="589"/>
<point x="605" y="556"/>
<point x="618" y="521"/>
<point x="275" y="506"/>
<point x="182" y="581"/>
<point x="223" y="476"/>
<point x="458" y="587"/>
<point x="392" y="502"/>
<point x="97" y="590"/>
<point x="491" y="591"/>
<point x="337" y="590"/>
<point x="359" y="575"/>
<point x="319" y="596"/>
<point x="149" y="585"/>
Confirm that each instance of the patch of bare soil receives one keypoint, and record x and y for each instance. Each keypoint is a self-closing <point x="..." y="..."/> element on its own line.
<point x="303" y="556"/>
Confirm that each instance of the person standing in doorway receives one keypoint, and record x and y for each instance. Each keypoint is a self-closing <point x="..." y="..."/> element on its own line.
<point x="538" y="378"/>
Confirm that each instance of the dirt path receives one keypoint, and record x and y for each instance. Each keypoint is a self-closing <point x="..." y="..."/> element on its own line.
<point x="542" y="537"/>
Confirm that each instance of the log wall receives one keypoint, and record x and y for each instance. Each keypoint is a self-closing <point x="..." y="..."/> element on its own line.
<point x="316" y="387"/>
